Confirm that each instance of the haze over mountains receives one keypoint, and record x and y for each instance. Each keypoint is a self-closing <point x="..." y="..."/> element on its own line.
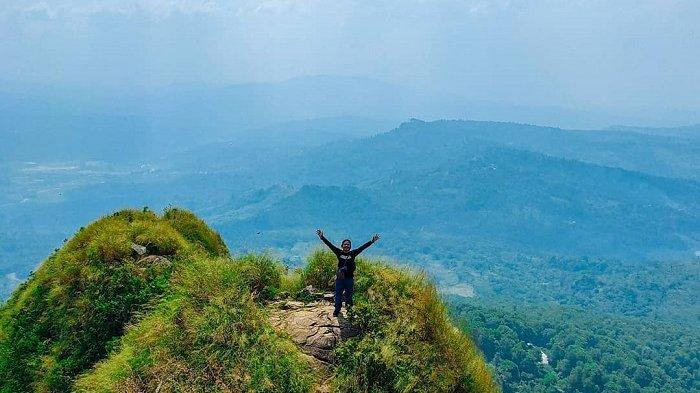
<point x="538" y="161"/>
<point x="281" y="158"/>
<point x="604" y="221"/>
<point x="55" y="123"/>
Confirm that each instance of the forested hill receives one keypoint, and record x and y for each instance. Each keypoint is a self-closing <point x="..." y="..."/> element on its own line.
<point x="237" y="180"/>
<point x="441" y="181"/>
<point x="555" y="349"/>
<point x="664" y="154"/>
<point x="491" y="211"/>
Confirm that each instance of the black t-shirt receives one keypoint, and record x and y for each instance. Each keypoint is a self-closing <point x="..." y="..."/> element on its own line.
<point x="346" y="259"/>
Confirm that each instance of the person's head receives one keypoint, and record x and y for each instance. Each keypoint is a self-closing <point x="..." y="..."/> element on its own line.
<point x="346" y="245"/>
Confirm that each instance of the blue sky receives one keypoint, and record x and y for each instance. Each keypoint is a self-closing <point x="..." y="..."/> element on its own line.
<point x="597" y="54"/>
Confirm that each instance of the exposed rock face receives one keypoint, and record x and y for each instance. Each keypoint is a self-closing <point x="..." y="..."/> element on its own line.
<point x="153" y="260"/>
<point x="312" y="326"/>
<point x="139" y="249"/>
<point x="152" y="265"/>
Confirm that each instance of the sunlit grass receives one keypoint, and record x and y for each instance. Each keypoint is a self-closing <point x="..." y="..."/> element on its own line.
<point x="96" y="317"/>
<point x="409" y="343"/>
<point x="210" y="333"/>
<point x="71" y="310"/>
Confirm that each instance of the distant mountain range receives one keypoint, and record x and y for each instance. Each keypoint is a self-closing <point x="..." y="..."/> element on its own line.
<point x="595" y="226"/>
<point x="459" y="180"/>
<point x="435" y="188"/>
<point x="134" y="126"/>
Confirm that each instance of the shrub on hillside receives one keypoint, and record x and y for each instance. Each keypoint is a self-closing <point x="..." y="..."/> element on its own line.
<point x="196" y="231"/>
<point x="408" y="342"/>
<point x="320" y="270"/>
<point x="261" y="273"/>
<point x="208" y="335"/>
<point x="198" y="322"/>
<point x="291" y="283"/>
<point x="62" y="320"/>
<point x="159" y="238"/>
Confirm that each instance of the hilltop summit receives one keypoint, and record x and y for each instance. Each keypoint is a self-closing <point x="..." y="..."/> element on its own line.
<point x="138" y="302"/>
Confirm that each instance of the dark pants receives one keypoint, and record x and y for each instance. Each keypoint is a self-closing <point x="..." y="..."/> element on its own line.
<point x="344" y="286"/>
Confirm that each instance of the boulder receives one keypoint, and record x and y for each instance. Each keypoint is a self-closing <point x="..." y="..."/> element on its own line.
<point x="139" y="249"/>
<point x="151" y="265"/>
<point x="309" y="292"/>
<point x="312" y="326"/>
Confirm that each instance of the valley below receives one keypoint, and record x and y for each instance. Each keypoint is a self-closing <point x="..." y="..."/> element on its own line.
<point x="496" y="215"/>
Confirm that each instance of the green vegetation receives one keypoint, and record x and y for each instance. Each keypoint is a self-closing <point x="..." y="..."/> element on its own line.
<point x="586" y="352"/>
<point x="210" y="333"/>
<point x="68" y="314"/>
<point x="408" y="342"/>
<point x="97" y="317"/>
<point x="196" y="231"/>
<point x="658" y="290"/>
<point x="459" y="182"/>
<point x="320" y="270"/>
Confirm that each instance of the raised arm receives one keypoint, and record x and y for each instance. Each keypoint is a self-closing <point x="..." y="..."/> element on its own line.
<point x="330" y="245"/>
<point x="364" y="246"/>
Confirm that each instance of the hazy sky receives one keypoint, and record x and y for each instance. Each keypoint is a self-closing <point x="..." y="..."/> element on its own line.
<point x="578" y="53"/>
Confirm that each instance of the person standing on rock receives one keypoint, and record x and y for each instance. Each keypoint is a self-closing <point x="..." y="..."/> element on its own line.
<point x="344" y="280"/>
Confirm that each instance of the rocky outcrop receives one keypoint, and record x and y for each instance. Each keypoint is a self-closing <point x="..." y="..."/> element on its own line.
<point x="312" y="326"/>
<point x="138" y="249"/>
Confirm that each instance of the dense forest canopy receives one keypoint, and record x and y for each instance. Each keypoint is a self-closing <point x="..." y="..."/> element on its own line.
<point x="550" y="349"/>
